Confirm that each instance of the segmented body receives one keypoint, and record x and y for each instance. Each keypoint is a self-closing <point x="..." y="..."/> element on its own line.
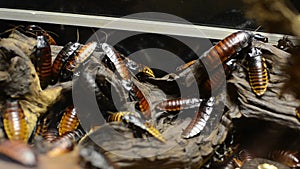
<point x="179" y="104"/>
<point x="257" y="72"/>
<point x="65" y="53"/>
<point x="199" y="121"/>
<point x="43" y="61"/>
<point x="288" y="158"/>
<point x="50" y="135"/>
<point x="122" y="70"/>
<point x="131" y="118"/>
<point x="81" y="56"/>
<point x="69" y="121"/>
<point x="65" y="142"/>
<point x="14" y="121"/>
<point x="226" y="48"/>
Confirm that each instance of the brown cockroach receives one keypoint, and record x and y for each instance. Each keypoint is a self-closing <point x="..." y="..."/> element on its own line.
<point x="137" y="67"/>
<point x="257" y="72"/>
<point x="288" y="158"/>
<point x="199" y="121"/>
<point x="65" y="143"/>
<point x="143" y="103"/>
<point x="42" y="60"/>
<point x="69" y="121"/>
<point x="36" y="30"/>
<point x="19" y="151"/>
<point x="131" y="118"/>
<point x="65" y="53"/>
<point x="81" y="56"/>
<point x="179" y="104"/>
<point x="14" y="121"/>
<point x="50" y="135"/>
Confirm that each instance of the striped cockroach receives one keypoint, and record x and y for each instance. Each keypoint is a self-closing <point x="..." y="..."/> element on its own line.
<point x="42" y="61"/>
<point x="14" y="121"/>
<point x="132" y="119"/>
<point x="36" y="30"/>
<point x="257" y="72"/>
<point x="65" y="142"/>
<point x="199" y="121"/>
<point x="288" y="158"/>
<point x="18" y="151"/>
<point x="179" y="104"/>
<point x="126" y="79"/>
<point x="81" y="56"/>
<point x="226" y="48"/>
<point x="65" y="53"/>
<point x="69" y="121"/>
<point x="50" y="134"/>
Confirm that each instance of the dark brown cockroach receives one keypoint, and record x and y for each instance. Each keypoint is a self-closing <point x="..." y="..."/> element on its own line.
<point x="65" y="53"/>
<point x="65" y="143"/>
<point x="69" y="121"/>
<point x="126" y="79"/>
<point x="14" y="121"/>
<point x="228" y="47"/>
<point x="117" y="61"/>
<point x="132" y="119"/>
<point x="42" y="127"/>
<point x="288" y="158"/>
<point x="42" y="61"/>
<point x="35" y="30"/>
<point x="82" y="55"/>
<point x="143" y="103"/>
<point x="257" y="72"/>
<point x="19" y="151"/>
<point x="199" y="121"/>
<point x="179" y="104"/>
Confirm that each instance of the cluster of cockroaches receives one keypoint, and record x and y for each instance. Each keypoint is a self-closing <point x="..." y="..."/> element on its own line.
<point x="66" y="131"/>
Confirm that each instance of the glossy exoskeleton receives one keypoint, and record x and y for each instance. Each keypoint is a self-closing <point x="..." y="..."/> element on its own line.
<point x="69" y="121"/>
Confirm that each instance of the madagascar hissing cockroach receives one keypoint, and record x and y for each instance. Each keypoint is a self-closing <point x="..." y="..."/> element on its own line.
<point x="69" y="121"/>
<point x="179" y="104"/>
<point x="50" y="134"/>
<point x="42" y="60"/>
<point x="65" y="143"/>
<point x="143" y="103"/>
<point x="65" y="53"/>
<point x="136" y="68"/>
<point x="14" y="121"/>
<point x="38" y="31"/>
<point x="132" y="119"/>
<point x="19" y="151"/>
<point x="288" y="158"/>
<point x="257" y="72"/>
<point x="81" y="56"/>
<point x="199" y="121"/>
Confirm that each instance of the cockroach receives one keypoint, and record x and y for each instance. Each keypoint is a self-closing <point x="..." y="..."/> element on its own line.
<point x="50" y="135"/>
<point x="42" y="60"/>
<point x="257" y="72"/>
<point x="38" y="31"/>
<point x="19" y="151"/>
<point x="69" y="121"/>
<point x="117" y="61"/>
<point x="14" y="121"/>
<point x="143" y="103"/>
<point x="288" y="158"/>
<point x="65" y="53"/>
<point x="131" y="118"/>
<point x="199" y="121"/>
<point x="179" y="104"/>
<point x="82" y="55"/>
<point x="65" y="143"/>
<point x="126" y="79"/>
<point x="226" y="48"/>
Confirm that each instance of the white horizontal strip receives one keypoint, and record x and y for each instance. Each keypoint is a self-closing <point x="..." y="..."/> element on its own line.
<point x="126" y="24"/>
